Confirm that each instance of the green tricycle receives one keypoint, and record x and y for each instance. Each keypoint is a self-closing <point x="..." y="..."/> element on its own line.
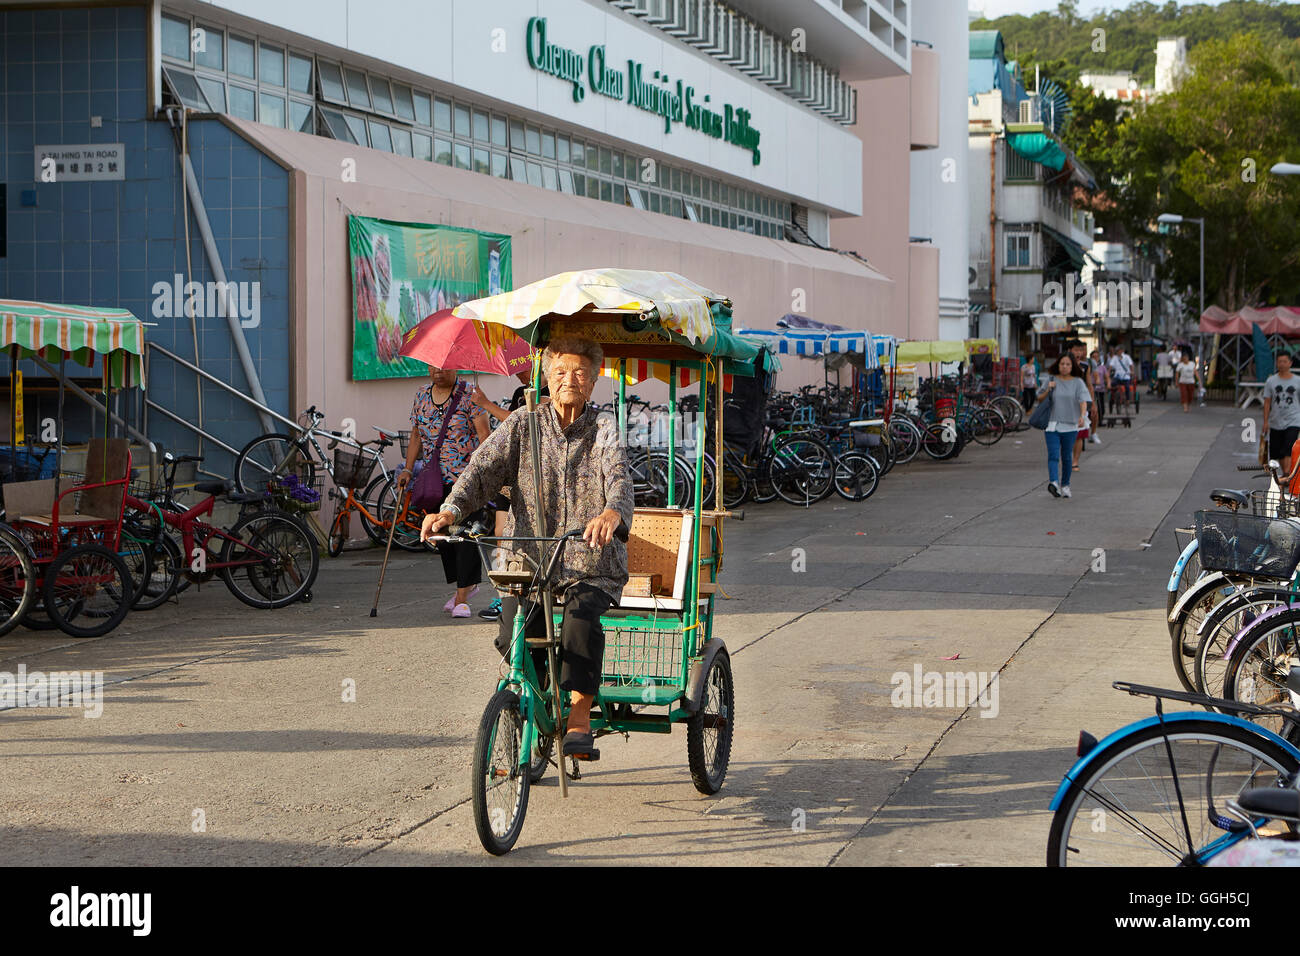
<point x="662" y="664"/>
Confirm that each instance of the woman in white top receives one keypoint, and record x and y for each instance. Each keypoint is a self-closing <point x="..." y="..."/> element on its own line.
<point x="1189" y="376"/>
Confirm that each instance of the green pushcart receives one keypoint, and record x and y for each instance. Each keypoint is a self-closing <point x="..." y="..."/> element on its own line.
<point x="663" y="665"/>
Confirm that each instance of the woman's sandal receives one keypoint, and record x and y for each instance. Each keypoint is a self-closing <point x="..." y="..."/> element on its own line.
<point x="580" y="746"/>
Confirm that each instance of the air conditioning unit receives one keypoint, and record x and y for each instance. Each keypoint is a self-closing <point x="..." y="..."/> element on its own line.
<point x="979" y="274"/>
<point x="1029" y="109"/>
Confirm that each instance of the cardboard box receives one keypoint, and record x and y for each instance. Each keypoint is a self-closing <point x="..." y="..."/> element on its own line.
<point x="643" y="585"/>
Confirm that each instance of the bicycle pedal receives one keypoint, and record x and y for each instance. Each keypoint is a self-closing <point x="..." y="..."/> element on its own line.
<point x="590" y="757"/>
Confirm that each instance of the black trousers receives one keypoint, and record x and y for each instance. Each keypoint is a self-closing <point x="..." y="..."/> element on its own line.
<point x="461" y="563"/>
<point x="582" y="639"/>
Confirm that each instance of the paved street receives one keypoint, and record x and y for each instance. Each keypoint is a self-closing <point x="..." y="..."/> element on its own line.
<point x="236" y="717"/>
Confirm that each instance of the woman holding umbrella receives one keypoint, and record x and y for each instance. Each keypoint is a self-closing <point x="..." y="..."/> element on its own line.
<point x="446" y="428"/>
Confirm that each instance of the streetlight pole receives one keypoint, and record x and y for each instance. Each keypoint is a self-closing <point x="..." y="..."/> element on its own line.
<point x="1173" y="219"/>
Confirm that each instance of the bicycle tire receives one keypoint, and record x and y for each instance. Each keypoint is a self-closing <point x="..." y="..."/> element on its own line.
<point x="272" y="454"/>
<point x="907" y="439"/>
<point x="709" y="731"/>
<point x="1223" y="622"/>
<point x="1255" y="761"/>
<point x="17" y="580"/>
<point x="939" y="443"/>
<point x="340" y="527"/>
<point x="1011" y="410"/>
<point x="736" y="483"/>
<point x="162" y="577"/>
<point x="1191" y="571"/>
<point x="802" y="469"/>
<point x="287" y="571"/>
<point x="856" y="476"/>
<point x="370" y="500"/>
<point x="989" y="426"/>
<point x="76" y="599"/>
<point x="1264" y="653"/>
<point x="407" y="535"/>
<point x="496" y="758"/>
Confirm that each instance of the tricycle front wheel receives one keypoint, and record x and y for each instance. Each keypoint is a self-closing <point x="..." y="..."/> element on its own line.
<point x="500" y="782"/>
<point x="709" y="730"/>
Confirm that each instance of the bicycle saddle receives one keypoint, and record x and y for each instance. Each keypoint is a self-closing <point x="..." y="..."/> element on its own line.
<point x="219" y="487"/>
<point x="1271" y="802"/>
<point x="1229" y="496"/>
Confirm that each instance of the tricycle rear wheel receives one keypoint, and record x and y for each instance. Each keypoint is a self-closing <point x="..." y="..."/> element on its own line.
<point x="709" y="729"/>
<point x="500" y="786"/>
<point x="88" y="591"/>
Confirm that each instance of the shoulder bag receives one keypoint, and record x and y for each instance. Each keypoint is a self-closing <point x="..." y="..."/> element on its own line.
<point x="428" y="491"/>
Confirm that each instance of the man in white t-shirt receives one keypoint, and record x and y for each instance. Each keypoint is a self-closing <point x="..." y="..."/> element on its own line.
<point x="1121" y="369"/>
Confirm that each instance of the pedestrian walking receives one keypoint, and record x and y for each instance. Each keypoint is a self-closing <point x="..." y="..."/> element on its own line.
<point x="446" y="428"/>
<point x="1082" y="369"/>
<point x="1069" y="396"/>
<point x="1188" y="378"/>
<point x="1100" y="383"/>
<point x="1028" y="382"/>
<point x="1282" y="411"/>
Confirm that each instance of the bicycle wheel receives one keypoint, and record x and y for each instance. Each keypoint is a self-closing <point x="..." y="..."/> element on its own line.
<point x="709" y="731"/>
<point x="1191" y="571"/>
<point x="339" y="532"/>
<point x="1125" y="808"/>
<point x="17" y="580"/>
<point x="270" y="559"/>
<point x="542" y="748"/>
<point x="272" y="455"/>
<point x="1011" y="410"/>
<point x="1224" y="621"/>
<point x="941" y="443"/>
<point x="500" y="781"/>
<point x="407" y="535"/>
<point x="88" y="591"/>
<point x="735" y="481"/>
<point x="370" y="499"/>
<point x="802" y="469"/>
<point x="856" y="476"/>
<point x="159" y="574"/>
<point x="1264" y="654"/>
<point x="988" y="426"/>
<point x="906" y="438"/>
<point x="883" y="454"/>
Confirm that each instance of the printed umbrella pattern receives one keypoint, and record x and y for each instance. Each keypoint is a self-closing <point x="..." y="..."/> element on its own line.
<point x="445" y="341"/>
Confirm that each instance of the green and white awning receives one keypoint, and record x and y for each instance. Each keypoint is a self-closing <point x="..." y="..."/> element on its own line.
<point x="78" y="332"/>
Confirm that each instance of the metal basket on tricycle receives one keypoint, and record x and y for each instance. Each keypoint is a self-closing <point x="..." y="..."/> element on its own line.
<point x="1253" y="545"/>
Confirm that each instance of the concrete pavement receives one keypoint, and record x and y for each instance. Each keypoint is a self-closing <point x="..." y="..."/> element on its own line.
<point x="225" y="736"/>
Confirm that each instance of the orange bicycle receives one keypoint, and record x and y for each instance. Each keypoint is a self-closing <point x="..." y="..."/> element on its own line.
<point x="378" y="507"/>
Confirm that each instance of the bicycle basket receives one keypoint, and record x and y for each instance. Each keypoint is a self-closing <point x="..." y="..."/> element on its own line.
<point x="352" y="470"/>
<point x="1274" y="504"/>
<point x="403" y="442"/>
<point x="1248" y="544"/>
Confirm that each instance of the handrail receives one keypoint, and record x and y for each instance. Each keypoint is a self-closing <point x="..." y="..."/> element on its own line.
<point x="219" y="383"/>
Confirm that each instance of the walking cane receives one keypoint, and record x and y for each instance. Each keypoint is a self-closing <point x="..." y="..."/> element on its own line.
<point x="398" y="511"/>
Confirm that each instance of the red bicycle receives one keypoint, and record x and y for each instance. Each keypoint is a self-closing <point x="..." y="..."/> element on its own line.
<point x="268" y="558"/>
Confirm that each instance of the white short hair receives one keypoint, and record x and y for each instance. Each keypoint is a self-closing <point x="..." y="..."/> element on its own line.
<point x="589" y="350"/>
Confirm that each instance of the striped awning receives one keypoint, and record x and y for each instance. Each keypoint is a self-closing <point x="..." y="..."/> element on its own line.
<point x="640" y="370"/>
<point x="812" y="343"/>
<point x="79" y="332"/>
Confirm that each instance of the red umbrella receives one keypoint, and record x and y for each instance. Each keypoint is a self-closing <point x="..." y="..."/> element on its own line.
<point x="445" y="341"/>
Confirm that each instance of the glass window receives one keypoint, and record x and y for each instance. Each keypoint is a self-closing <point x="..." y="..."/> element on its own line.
<point x="358" y="127"/>
<point x="518" y="172"/>
<point x="358" y="92"/>
<point x="379" y="137"/>
<point x="579" y="153"/>
<point x="442" y="152"/>
<point x="499" y="131"/>
<point x="213" y="54"/>
<point x="635" y="198"/>
<point x="618" y="165"/>
<point x="402" y="102"/>
<point x="534" y="174"/>
<point x="423" y="115"/>
<point x="593" y="156"/>
<point x="185" y="89"/>
<point x="593" y="187"/>
<point x="215" y="91"/>
<point x="482" y="164"/>
<point x="243" y="103"/>
<point x="479" y="126"/>
<point x="676" y="209"/>
<point x="606" y="191"/>
<point x="499" y="165"/>
<point x="632" y="167"/>
<point x="654" y="201"/>
<point x="272" y="65"/>
<point x="562" y="149"/>
<point x="517" y="136"/>
<point x="677" y="180"/>
<point x="461" y="153"/>
<point x="243" y="60"/>
<point x="462" y="122"/>
<point x="735" y="223"/>
<point x="566" y="181"/>
<point x="422" y="145"/>
<point x="300" y="117"/>
<point x="272" y="110"/>
<point x="618" y="195"/>
<point x="331" y="82"/>
<point x="533" y="139"/>
<point x="548" y="145"/>
<point x="716" y="216"/>
<point x="382" y="94"/>
<point x="401" y="141"/>
<point x="299" y="73"/>
<point x="606" y="163"/>
<point x="337" y="126"/>
<point x="579" y="184"/>
<point x="176" y="38"/>
<point x="549" y="179"/>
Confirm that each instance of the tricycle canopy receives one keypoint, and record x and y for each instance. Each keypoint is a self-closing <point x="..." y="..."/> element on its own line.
<point x="78" y="332"/>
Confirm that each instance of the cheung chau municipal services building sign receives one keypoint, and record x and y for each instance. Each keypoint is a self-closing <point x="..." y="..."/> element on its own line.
<point x="675" y="101"/>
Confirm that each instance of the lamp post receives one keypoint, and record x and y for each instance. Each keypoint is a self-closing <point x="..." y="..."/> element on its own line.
<point x="1173" y="219"/>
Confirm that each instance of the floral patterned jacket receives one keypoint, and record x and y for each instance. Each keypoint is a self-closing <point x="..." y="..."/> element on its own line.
<point x="584" y="471"/>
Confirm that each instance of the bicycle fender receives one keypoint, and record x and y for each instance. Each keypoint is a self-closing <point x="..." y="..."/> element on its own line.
<point x="1267" y="615"/>
<point x="1182" y="563"/>
<point x="1223" y="605"/>
<point x="1203" y="586"/>
<point x="1214" y="716"/>
<point x="695" y="682"/>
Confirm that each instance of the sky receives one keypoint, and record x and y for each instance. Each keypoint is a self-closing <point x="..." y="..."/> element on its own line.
<point x="999" y="8"/>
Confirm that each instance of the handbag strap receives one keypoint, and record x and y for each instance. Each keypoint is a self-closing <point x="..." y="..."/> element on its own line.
<point x="453" y="406"/>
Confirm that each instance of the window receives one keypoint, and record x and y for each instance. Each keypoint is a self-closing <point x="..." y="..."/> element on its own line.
<point x="479" y="125"/>
<point x="299" y="73"/>
<point x="579" y="184"/>
<point x="337" y="125"/>
<point x="618" y="194"/>
<point x="618" y="165"/>
<point x="534" y="174"/>
<point x="634" y="198"/>
<point x="422" y="146"/>
<point x="518" y="172"/>
<point x="1018" y="250"/>
<point x="243" y="60"/>
<point x="272" y="65"/>
<point x="422" y="109"/>
<point x="548" y="145"/>
<point x="186" y="89"/>
<point x="579" y="153"/>
<point x="213" y="54"/>
<point x="593" y="187"/>
<point x="358" y="92"/>
<point x="403" y="104"/>
<point x="401" y="141"/>
<point x="532" y="140"/>
<point x="272" y="110"/>
<point x="499" y="131"/>
<point x="566" y="181"/>
<point x="215" y="91"/>
<point x="243" y="103"/>
<point x="358" y="127"/>
<point x="482" y="164"/>
<point x="442" y="152"/>
<point x="176" y="38"/>
<point x="549" y="179"/>
<point x="499" y="165"/>
<point x="383" y="95"/>
<point x="562" y="149"/>
<point x="300" y="117"/>
<point x="379" y="137"/>
<point x="462" y="122"/>
<point x="1018" y="167"/>
<point x="517" y="136"/>
<point x="331" y="82"/>
<point x="442" y="115"/>
<point x="461" y="153"/>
